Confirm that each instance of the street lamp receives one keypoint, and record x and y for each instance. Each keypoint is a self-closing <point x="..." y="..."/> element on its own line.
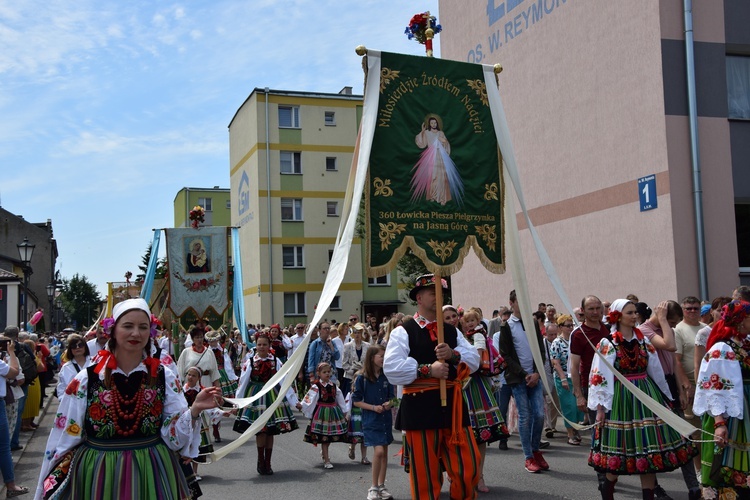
<point x="51" y="296"/>
<point x="25" y="251"/>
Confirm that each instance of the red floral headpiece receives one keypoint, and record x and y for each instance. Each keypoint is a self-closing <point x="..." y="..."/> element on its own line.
<point x="613" y="317"/>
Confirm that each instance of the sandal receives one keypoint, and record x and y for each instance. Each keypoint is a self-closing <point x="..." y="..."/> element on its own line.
<point x="482" y="487"/>
<point x="364" y="461"/>
<point x="574" y="442"/>
<point x="351" y="453"/>
<point x="22" y="490"/>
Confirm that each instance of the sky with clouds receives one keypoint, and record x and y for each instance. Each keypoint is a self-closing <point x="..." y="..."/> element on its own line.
<point x="109" y="108"/>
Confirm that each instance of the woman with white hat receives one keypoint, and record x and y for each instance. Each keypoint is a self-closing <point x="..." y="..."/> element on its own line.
<point x="119" y="420"/>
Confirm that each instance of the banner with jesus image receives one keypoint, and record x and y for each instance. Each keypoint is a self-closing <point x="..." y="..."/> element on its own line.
<point x="434" y="180"/>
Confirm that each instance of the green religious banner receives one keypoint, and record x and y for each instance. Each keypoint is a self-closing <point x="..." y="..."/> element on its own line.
<point x="434" y="180"/>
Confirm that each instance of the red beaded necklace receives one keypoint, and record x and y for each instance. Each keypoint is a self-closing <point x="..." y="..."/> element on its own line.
<point x="117" y="414"/>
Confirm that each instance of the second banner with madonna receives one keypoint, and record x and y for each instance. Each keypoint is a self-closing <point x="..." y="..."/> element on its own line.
<point x="434" y="179"/>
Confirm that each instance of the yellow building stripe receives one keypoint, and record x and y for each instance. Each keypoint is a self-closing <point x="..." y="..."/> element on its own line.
<point x="315" y="148"/>
<point x="302" y="194"/>
<point x="304" y="241"/>
<point x="302" y="287"/>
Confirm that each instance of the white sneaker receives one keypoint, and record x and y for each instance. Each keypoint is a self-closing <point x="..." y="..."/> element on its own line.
<point x="384" y="493"/>
<point x="328" y="465"/>
<point x="373" y="493"/>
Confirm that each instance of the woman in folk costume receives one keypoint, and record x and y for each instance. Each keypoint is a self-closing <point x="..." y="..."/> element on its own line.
<point x="436" y="177"/>
<point x="227" y="377"/>
<point x="722" y="396"/>
<point x="119" y="422"/>
<point x="631" y="439"/>
<point x="198" y="354"/>
<point x="484" y="414"/>
<point x="257" y="371"/>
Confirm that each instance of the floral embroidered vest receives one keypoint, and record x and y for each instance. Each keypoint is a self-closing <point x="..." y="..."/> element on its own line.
<point x="131" y="408"/>
<point x="263" y="370"/>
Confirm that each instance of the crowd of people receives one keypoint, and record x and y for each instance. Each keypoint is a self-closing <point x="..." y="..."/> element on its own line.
<point x="132" y="393"/>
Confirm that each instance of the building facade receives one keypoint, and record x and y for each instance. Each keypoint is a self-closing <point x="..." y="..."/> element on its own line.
<point x="290" y="156"/>
<point x="40" y="272"/>
<point x="597" y="100"/>
<point x="215" y="201"/>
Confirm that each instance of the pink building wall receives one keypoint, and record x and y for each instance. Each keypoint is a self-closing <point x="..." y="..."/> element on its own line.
<point x="584" y="94"/>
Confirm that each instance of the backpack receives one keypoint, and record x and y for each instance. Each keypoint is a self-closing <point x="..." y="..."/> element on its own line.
<point x="27" y="362"/>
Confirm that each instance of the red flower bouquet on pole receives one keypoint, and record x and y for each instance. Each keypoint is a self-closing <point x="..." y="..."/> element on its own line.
<point x="197" y="216"/>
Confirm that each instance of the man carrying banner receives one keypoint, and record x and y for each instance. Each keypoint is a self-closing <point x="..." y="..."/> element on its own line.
<point x="437" y="437"/>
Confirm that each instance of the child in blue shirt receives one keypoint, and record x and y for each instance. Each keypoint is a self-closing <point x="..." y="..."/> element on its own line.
<point x="373" y="393"/>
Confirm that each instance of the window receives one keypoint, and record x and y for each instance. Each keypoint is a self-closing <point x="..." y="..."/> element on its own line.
<point x="336" y="303"/>
<point x="330" y="256"/>
<point x="229" y="203"/>
<point x="291" y="209"/>
<point x="331" y="164"/>
<point x="330" y="119"/>
<point x="332" y="208"/>
<point x="288" y="116"/>
<point x="205" y="203"/>
<point x="293" y="256"/>
<point x="294" y="304"/>
<point x="291" y="162"/>
<point x="379" y="281"/>
<point x="738" y="87"/>
<point x="742" y="223"/>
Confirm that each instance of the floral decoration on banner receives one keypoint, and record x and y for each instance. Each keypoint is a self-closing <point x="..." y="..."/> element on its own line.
<point x="442" y="249"/>
<point x="199" y="285"/>
<point x="717" y="382"/>
<point x="197" y="216"/>
<point x="488" y="235"/>
<point x="387" y="75"/>
<point x="418" y="27"/>
<point x="613" y="317"/>
<point x="388" y="233"/>
<point x="481" y="89"/>
<point x="382" y="187"/>
<point x="490" y="191"/>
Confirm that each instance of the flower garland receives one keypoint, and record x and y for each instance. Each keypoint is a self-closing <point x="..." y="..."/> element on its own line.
<point x="417" y="28"/>
<point x="199" y="285"/>
<point x="197" y="216"/>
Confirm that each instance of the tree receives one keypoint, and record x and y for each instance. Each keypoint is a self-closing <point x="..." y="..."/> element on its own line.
<point x="161" y="266"/>
<point x="409" y="268"/>
<point x="81" y="300"/>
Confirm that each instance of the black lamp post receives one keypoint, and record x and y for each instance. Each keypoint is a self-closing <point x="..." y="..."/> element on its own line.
<point x="25" y="251"/>
<point x="58" y="307"/>
<point x="51" y="296"/>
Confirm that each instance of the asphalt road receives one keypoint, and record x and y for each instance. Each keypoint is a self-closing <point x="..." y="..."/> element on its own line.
<point x="299" y="471"/>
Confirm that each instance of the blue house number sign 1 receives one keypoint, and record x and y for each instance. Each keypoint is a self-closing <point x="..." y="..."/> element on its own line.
<point x="647" y="192"/>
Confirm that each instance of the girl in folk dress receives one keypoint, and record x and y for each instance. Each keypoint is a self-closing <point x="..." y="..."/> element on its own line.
<point x="257" y="371"/>
<point x="631" y="440"/>
<point x="324" y="405"/>
<point x="227" y="377"/>
<point x="722" y="396"/>
<point x="486" y="420"/>
<point x="373" y="394"/>
<point x="119" y="421"/>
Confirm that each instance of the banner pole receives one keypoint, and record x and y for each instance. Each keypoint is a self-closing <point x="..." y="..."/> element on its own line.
<point x="440" y="329"/>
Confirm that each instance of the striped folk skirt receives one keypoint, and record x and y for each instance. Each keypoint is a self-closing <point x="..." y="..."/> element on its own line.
<point x="484" y="414"/>
<point x="327" y="425"/>
<point x="730" y="467"/>
<point x="632" y="440"/>
<point x="228" y="387"/>
<point x="131" y="470"/>
<point x="356" y="434"/>
<point x="281" y="421"/>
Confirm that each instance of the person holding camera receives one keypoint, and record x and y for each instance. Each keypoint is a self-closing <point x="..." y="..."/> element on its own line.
<point x="8" y="370"/>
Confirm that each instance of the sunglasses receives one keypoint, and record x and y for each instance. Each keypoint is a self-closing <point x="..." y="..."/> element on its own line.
<point x="76" y="346"/>
<point x="692" y="308"/>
